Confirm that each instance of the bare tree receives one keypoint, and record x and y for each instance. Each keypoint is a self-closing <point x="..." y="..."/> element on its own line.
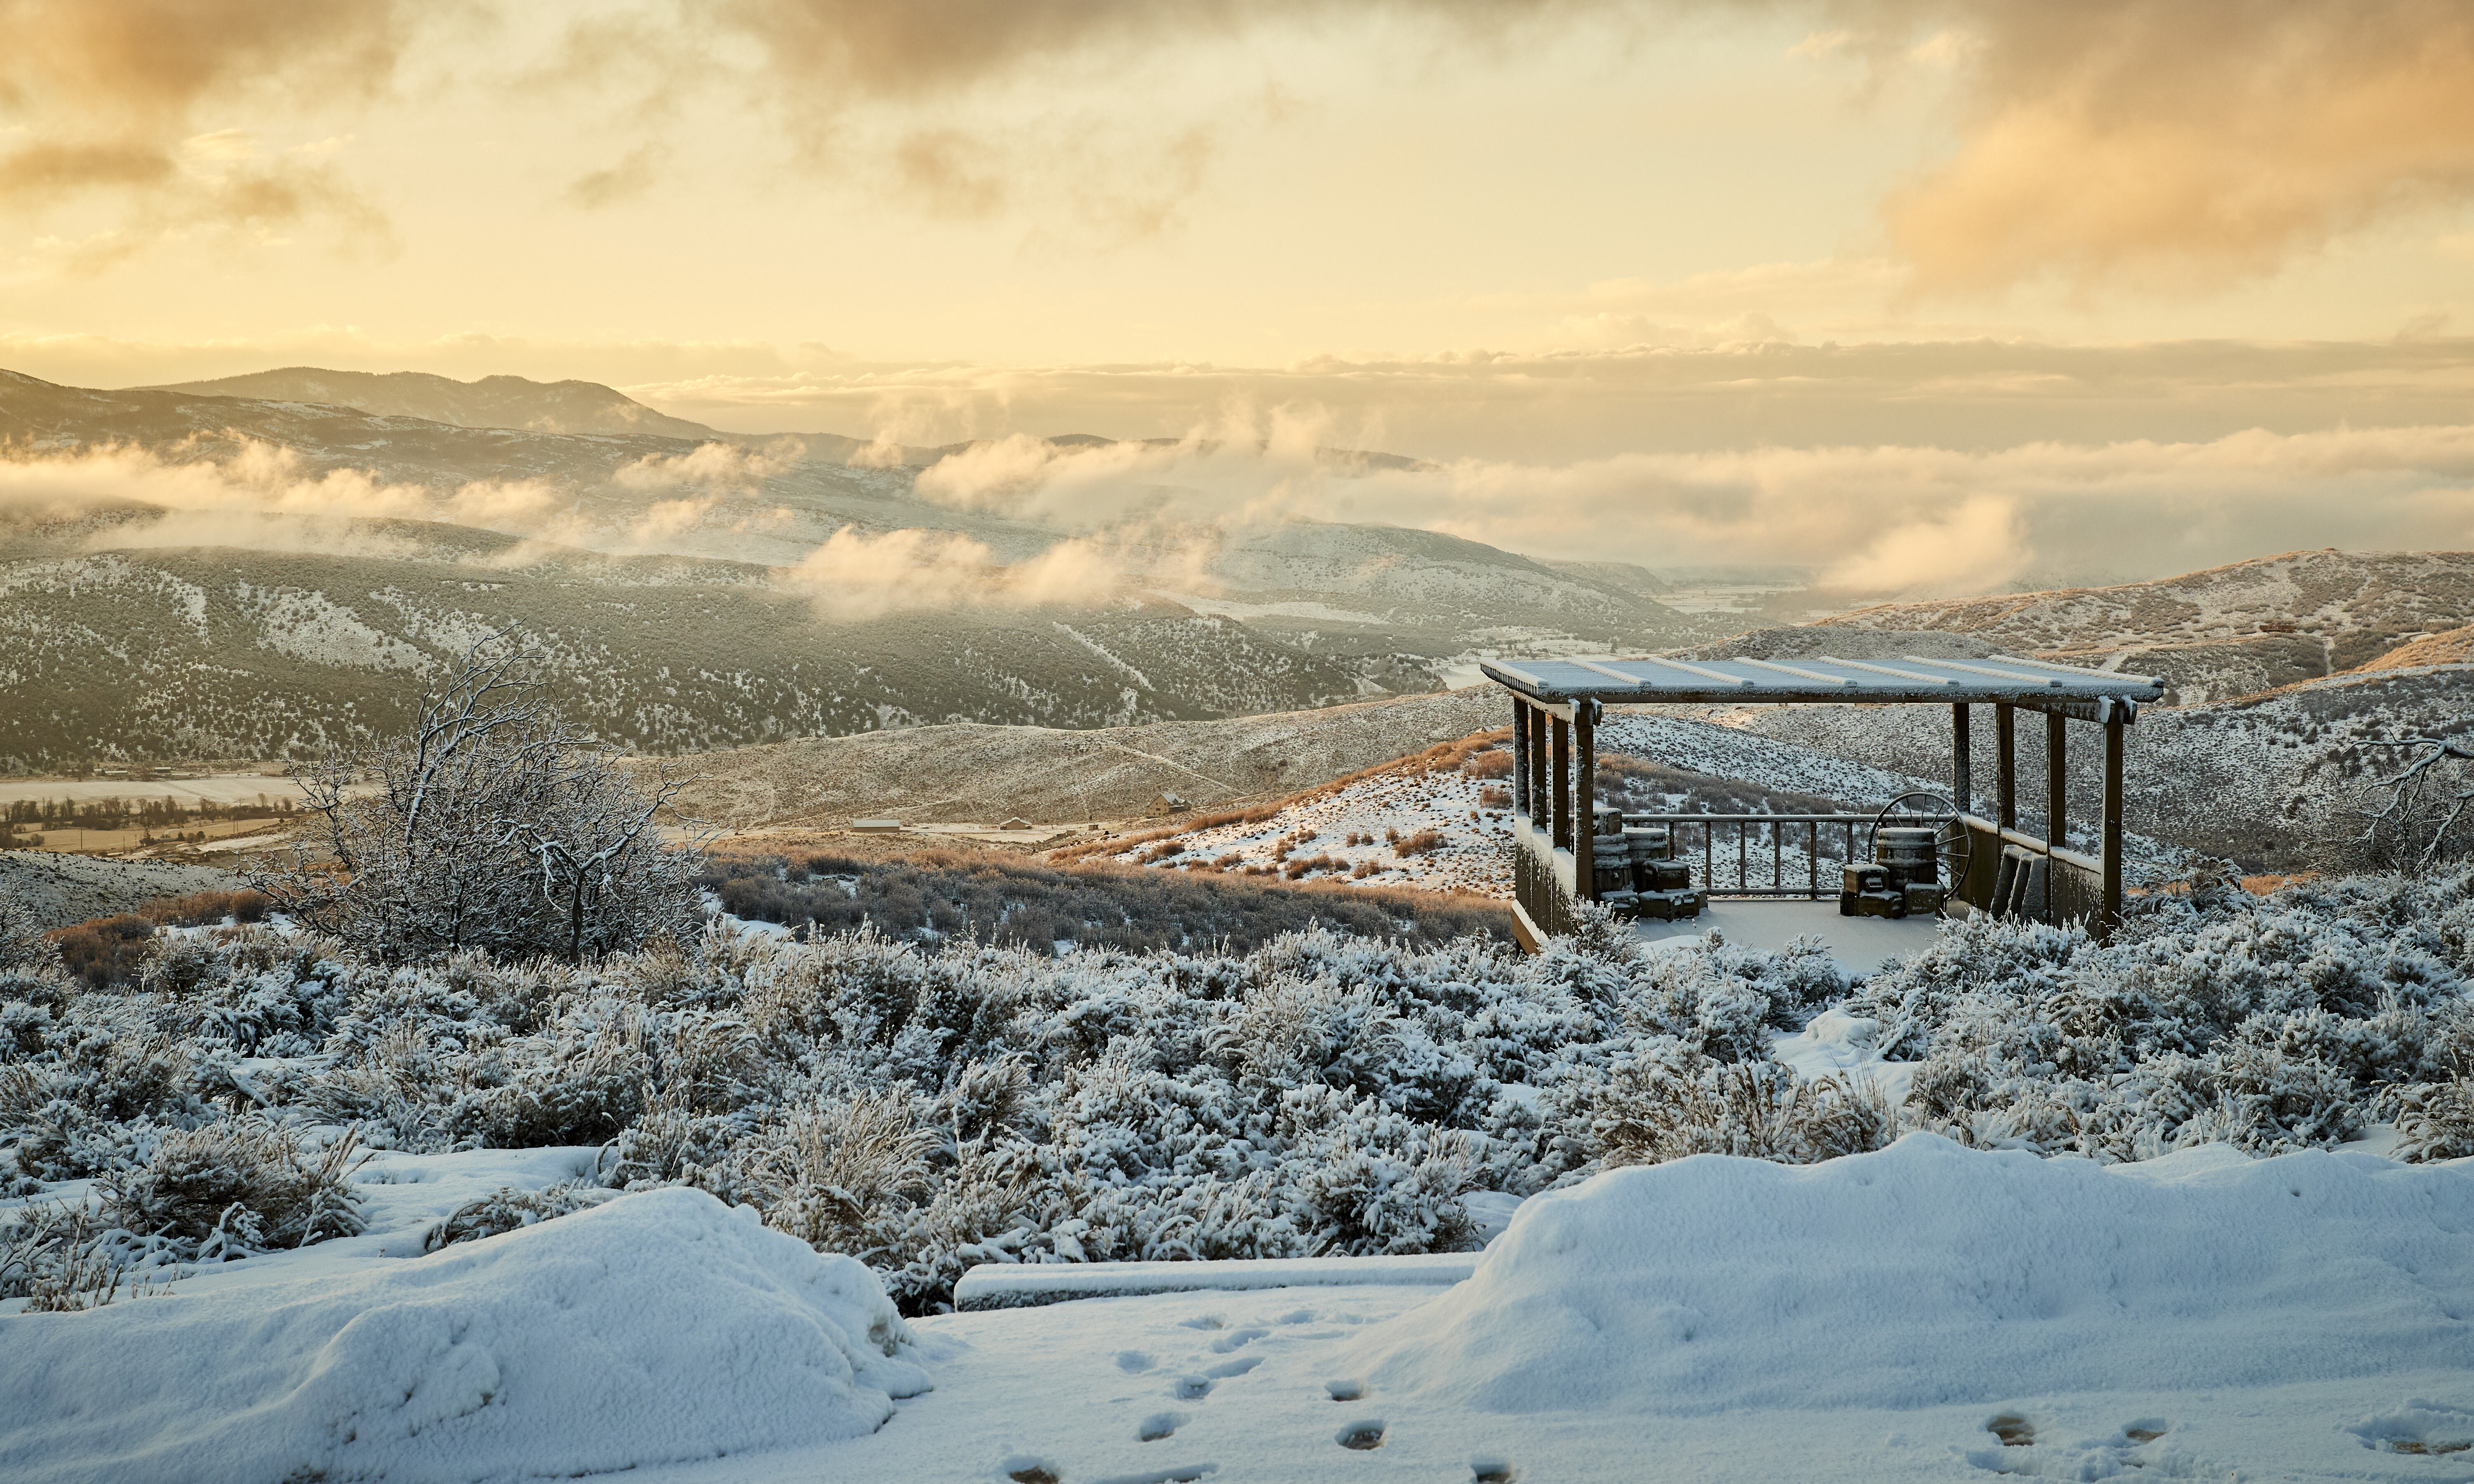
<point x="2424" y="821"/>
<point x="491" y="824"/>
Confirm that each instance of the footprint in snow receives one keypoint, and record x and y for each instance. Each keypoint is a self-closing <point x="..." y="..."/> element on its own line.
<point x="1345" y="1391"/>
<point x="2432" y="1430"/>
<point x="1159" y="1426"/>
<point x="1025" y="1469"/>
<point x="1228" y="1368"/>
<point x="1192" y="1388"/>
<point x="1133" y="1362"/>
<point x="1486" y="1470"/>
<point x="1237" y="1339"/>
<point x="1363" y="1436"/>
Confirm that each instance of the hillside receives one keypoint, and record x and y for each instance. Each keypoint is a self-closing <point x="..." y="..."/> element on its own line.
<point x="969" y="772"/>
<point x="2227" y="631"/>
<point x="152" y="654"/>
<point x="265" y="557"/>
<point x="490" y="402"/>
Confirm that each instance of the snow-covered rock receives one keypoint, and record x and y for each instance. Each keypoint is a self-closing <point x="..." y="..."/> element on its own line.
<point x="662" y="1326"/>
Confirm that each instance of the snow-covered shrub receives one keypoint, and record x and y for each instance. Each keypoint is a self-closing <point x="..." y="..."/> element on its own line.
<point x="926" y="1107"/>
<point x="55" y="1257"/>
<point x="578" y="1082"/>
<point x="492" y="825"/>
<point x="236" y="1186"/>
<point x="2438" y="1122"/>
<point x="507" y="1209"/>
<point x="1671" y="1108"/>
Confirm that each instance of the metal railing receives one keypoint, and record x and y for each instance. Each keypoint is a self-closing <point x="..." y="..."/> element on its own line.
<point x="1787" y="839"/>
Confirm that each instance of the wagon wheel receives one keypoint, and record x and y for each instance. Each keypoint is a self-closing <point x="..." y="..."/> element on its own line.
<point x="1954" y="847"/>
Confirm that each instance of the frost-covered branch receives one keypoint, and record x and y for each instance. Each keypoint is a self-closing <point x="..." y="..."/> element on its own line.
<point x="491" y="824"/>
<point x="2418" y="823"/>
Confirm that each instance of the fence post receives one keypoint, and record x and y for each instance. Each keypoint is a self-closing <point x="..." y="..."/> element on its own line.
<point x="2057" y="791"/>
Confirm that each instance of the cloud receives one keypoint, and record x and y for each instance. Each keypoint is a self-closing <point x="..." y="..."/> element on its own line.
<point x="1776" y="389"/>
<point x="855" y="575"/>
<point x="711" y="466"/>
<point x="1920" y="521"/>
<point x="635" y="174"/>
<point x="2165" y="144"/>
<point x="107" y="92"/>
<point x="266" y="498"/>
<point x="1070" y="113"/>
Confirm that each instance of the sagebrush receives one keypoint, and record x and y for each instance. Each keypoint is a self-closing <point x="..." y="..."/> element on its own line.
<point x="927" y="1107"/>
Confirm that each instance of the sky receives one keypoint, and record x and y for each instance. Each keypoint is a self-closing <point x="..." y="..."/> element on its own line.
<point x="1549" y="232"/>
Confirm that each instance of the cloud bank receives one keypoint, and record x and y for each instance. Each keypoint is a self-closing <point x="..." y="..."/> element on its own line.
<point x="108" y="98"/>
<point x="1555" y="406"/>
<point x="264" y="498"/>
<point x="1916" y="521"/>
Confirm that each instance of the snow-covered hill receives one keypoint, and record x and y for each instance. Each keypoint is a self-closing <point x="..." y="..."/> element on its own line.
<point x="2227" y="631"/>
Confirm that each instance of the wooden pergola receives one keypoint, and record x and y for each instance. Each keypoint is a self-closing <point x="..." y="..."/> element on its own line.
<point x="1557" y="704"/>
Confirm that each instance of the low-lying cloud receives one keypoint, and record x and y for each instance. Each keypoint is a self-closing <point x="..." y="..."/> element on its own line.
<point x="1918" y="521"/>
<point x="857" y="575"/>
<point x="1908" y="520"/>
<point x="261" y="498"/>
<point x="264" y="497"/>
<point x="1771" y="389"/>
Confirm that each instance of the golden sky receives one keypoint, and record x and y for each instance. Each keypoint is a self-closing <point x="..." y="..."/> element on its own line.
<point x="1535" y="229"/>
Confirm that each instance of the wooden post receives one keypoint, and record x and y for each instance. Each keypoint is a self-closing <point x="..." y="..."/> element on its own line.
<point x="2058" y="789"/>
<point x="2111" y="850"/>
<point x="2006" y="749"/>
<point x="1585" y="795"/>
<point x="1962" y="779"/>
<point x="1520" y="758"/>
<point x="1562" y="791"/>
<point x="1542" y="807"/>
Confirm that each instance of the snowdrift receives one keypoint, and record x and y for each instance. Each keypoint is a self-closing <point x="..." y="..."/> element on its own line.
<point x="663" y="1326"/>
<point x="1928" y="1274"/>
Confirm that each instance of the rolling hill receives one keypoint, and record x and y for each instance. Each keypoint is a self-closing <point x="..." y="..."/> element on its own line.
<point x="2229" y="631"/>
<point x="284" y="615"/>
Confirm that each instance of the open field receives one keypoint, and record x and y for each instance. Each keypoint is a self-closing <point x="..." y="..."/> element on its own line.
<point x="221" y="789"/>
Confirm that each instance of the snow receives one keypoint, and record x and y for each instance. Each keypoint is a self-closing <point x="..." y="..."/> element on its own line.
<point x="1354" y="827"/>
<point x="1928" y="1274"/>
<point x="2201" y="1314"/>
<point x="1837" y="1044"/>
<point x="660" y="1327"/>
<point x="1023" y="1285"/>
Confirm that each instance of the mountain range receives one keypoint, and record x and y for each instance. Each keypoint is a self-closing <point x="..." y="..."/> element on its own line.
<point x="343" y="548"/>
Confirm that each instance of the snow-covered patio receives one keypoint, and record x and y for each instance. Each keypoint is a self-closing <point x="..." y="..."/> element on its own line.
<point x="1860" y="944"/>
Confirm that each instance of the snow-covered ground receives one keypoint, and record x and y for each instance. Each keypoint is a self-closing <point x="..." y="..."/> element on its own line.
<point x="1717" y="742"/>
<point x="2024" y="1203"/>
<point x="1928" y="1313"/>
<point x="1349" y="834"/>
<point x="1352" y="833"/>
<point x="1355" y="833"/>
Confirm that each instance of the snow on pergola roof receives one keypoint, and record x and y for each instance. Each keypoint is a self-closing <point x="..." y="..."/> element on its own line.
<point x="1816" y="679"/>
